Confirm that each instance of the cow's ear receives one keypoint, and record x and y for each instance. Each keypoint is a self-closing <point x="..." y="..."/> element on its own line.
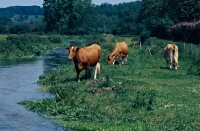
<point x="77" y="48"/>
<point x="114" y="55"/>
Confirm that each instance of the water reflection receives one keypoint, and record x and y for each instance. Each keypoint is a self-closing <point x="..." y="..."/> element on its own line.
<point x="54" y="58"/>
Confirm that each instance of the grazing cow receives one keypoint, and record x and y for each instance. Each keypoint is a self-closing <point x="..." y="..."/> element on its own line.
<point x="171" y="55"/>
<point x="120" y="51"/>
<point x="84" y="58"/>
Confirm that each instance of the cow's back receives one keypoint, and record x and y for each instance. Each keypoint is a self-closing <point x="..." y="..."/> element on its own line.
<point x="124" y="48"/>
<point x="89" y="55"/>
<point x="168" y="50"/>
<point x="120" y="47"/>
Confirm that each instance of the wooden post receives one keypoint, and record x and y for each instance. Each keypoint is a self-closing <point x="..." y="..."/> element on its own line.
<point x="184" y="47"/>
<point x="149" y="50"/>
<point x="199" y="50"/>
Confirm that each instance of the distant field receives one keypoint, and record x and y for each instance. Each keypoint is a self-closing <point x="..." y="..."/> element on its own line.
<point x="3" y="36"/>
<point x="33" y="17"/>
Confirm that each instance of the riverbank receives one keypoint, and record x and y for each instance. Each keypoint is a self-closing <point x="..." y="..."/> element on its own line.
<point x="18" y="82"/>
<point x="141" y="95"/>
<point x="29" y="45"/>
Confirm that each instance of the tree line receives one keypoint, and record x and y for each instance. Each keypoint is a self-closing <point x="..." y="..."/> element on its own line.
<point x="73" y="17"/>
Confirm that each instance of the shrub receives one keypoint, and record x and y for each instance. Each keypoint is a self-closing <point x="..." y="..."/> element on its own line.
<point x="55" y="39"/>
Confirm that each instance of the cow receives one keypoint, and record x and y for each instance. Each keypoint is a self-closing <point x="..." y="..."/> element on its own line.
<point x="84" y="58"/>
<point x="171" y="55"/>
<point x="120" y="51"/>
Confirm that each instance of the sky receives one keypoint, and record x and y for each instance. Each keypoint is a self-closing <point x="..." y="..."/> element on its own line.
<point x="7" y="3"/>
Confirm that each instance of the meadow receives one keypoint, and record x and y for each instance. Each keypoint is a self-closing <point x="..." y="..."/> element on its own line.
<point x="141" y="95"/>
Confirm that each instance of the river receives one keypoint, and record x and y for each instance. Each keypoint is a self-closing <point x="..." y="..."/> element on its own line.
<point x="18" y="82"/>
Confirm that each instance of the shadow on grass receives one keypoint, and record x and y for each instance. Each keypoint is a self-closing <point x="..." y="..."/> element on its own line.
<point x="167" y="68"/>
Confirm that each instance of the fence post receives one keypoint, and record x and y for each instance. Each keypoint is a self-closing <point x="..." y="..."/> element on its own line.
<point x="184" y="49"/>
<point x="149" y="50"/>
<point x="199" y="50"/>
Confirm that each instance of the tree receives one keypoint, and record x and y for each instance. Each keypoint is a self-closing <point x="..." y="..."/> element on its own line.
<point x="57" y="12"/>
<point x="126" y="24"/>
<point x="157" y="14"/>
<point x="5" y="23"/>
<point x="104" y="24"/>
<point x="84" y="17"/>
<point x="78" y="15"/>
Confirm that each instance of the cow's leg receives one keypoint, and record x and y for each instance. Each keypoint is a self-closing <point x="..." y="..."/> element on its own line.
<point x="171" y="59"/>
<point x="123" y="59"/>
<point x="167" y="61"/>
<point x="171" y="63"/>
<point x="120" y="60"/>
<point x="97" y="69"/>
<point x="77" y="72"/>
<point x="113" y="61"/>
<point x="78" y="75"/>
<point x="86" y="72"/>
<point x="175" y="63"/>
<point x="126" y="59"/>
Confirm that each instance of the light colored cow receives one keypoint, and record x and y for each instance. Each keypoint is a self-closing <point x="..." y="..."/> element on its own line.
<point x="171" y="56"/>
<point x="120" y="51"/>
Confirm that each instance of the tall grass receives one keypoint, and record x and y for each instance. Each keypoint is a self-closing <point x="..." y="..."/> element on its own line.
<point x="141" y="95"/>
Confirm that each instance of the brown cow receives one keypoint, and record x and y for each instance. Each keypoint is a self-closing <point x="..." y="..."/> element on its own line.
<point x="120" y="51"/>
<point x="171" y="55"/>
<point x="84" y="58"/>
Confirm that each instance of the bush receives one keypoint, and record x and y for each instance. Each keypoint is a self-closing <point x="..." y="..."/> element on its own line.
<point x="24" y="45"/>
<point x="56" y="39"/>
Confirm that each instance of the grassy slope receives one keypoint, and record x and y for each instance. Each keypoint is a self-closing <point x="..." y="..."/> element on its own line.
<point x="148" y="96"/>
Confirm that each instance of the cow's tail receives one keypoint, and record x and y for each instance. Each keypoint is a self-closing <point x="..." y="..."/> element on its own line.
<point x="98" y="67"/>
<point x="97" y="70"/>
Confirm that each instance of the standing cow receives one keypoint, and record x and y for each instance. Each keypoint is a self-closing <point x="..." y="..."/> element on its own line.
<point x="171" y="55"/>
<point x="84" y="58"/>
<point x="120" y="51"/>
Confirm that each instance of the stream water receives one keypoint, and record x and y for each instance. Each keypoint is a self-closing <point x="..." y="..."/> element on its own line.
<point x="18" y="82"/>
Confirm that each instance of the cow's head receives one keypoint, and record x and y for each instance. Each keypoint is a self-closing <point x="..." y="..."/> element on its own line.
<point x="175" y="64"/>
<point x="111" y="59"/>
<point x="72" y="51"/>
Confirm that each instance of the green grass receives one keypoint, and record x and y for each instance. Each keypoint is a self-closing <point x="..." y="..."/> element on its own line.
<point x="141" y="95"/>
<point x="3" y="37"/>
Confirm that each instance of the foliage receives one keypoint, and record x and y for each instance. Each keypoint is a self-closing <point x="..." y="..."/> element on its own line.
<point x="118" y="19"/>
<point x="156" y="15"/>
<point x="26" y="45"/>
<point x="140" y="95"/>
<point x="57" y="12"/>
<point x="83" y="19"/>
<point x="77" y="17"/>
<point x="21" y="10"/>
<point x="4" y="25"/>
<point x="55" y="39"/>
